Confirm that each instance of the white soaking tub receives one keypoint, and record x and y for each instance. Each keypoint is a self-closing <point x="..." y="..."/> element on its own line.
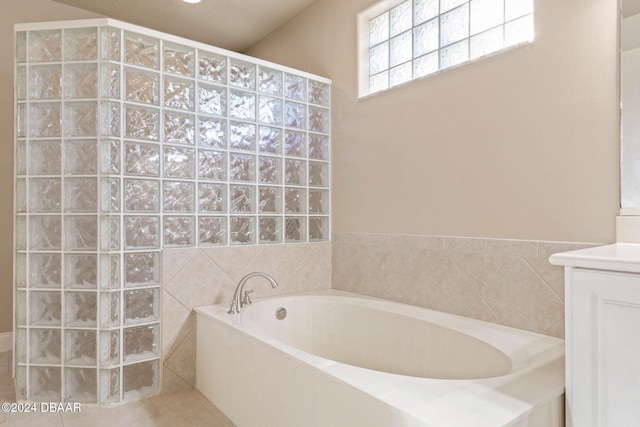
<point x="340" y="359"/>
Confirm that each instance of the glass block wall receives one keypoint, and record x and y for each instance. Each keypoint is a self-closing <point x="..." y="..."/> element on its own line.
<point x="128" y="141"/>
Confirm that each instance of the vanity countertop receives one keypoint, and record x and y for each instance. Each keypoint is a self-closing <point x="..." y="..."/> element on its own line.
<point x="615" y="257"/>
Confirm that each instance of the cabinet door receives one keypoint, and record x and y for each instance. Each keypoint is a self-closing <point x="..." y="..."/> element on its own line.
<point x="603" y="349"/>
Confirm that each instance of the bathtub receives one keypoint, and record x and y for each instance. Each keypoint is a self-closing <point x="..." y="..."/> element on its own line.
<point x="341" y="359"/>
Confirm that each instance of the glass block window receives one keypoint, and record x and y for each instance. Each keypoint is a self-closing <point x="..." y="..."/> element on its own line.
<point x="405" y="40"/>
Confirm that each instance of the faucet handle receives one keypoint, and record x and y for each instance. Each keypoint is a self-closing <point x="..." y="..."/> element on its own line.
<point x="233" y="308"/>
<point x="247" y="297"/>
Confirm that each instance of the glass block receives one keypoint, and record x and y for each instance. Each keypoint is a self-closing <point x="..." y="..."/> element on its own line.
<point x="270" y="81"/>
<point x="270" y="230"/>
<point x="81" y="81"/>
<point x="450" y="4"/>
<point x="319" y="174"/>
<point x="179" y="162"/>
<point x="109" y="386"/>
<point x="270" y="170"/>
<point x="270" y="110"/>
<point x="45" y="384"/>
<point x="110" y="156"/>
<point x="110" y="118"/>
<point x="141" y="159"/>
<point x="110" y="194"/>
<point x="178" y="196"/>
<point x="21" y="271"/>
<point x="212" y="100"/>
<point x="269" y="199"/>
<point x="242" y="74"/>
<point x="242" y="167"/>
<point x="179" y="231"/>
<point x="81" y="385"/>
<point x="140" y="379"/>
<point x="45" y="232"/>
<point x="295" y="87"/>
<point x="110" y="233"/>
<point x="45" y="309"/>
<point x="486" y="14"/>
<point x="179" y="59"/>
<point x="45" y="46"/>
<point x="81" y="271"/>
<point x="140" y="342"/>
<point x="320" y="118"/>
<point x="212" y="132"/>
<point x="242" y="230"/>
<point x="80" y="309"/>
<point x="400" y="74"/>
<point x="142" y="123"/>
<point x="109" y="347"/>
<point x="425" y="65"/>
<point x="21" y="120"/>
<point x="81" y="233"/>
<point x="212" y="67"/>
<point x="423" y="10"/>
<point x="81" y="44"/>
<point x="486" y="43"/>
<point x="45" y="195"/>
<point x="212" y="165"/>
<point x="21" y="83"/>
<point x="295" y="172"/>
<point x="295" y="143"/>
<point x="454" y="25"/>
<point x="110" y="271"/>
<point x="140" y="305"/>
<point x="142" y="269"/>
<point x="81" y="195"/>
<point x="142" y="86"/>
<point x="45" y="157"/>
<point x="45" y="82"/>
<point x="517" y="8"/>
<point x="21" y="345"/>
<point x="45" y="120"/>
<point x="141" y="50"/>
<point x="80" y="347"/>
<point x="519" y="31"/>
<point x="270" y="140"/>
<point x="211" y="231"/>
<point x="178" y="93"/>
<point x="242" y="105"/>
<point x="142" y="232"/>
<point x="21" y="195"/>
<point x="179" y="128"/>
<point x="21" y="308"/>
<point x="400" y="18"/>
<point x="379" y="58"/>
<point x="295" y="200"/>
<point x="242" y="198"/>
<point x="425" y="38"/>
<point x="295" y="115"/>
<point x="21" y="157"/>
<point x="454" y="54"/>
<point x="318" y="147"/>
<point x="212" y="197"/>
<point x="20" y="233"/>
<point x="141" y="195"/>
<point x="379" y="29"/>
<point x="295" y="229"/>
<point x="110" y="49"/>
<point x="319" y="201"/>
<point x="319" y="93"/>
<point x="21" y="47"/>
<point x="318" y="229"/>
<point x="109" y="81"/>
<point x="242" y="136"/>
<point x="81" y="119"/>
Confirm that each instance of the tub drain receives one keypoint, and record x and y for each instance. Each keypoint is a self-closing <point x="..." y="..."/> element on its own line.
<point x="281" y="313"/>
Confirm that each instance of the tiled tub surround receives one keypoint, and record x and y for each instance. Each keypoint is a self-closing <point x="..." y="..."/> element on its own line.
<point x="509" y="282"/>
<point x="202" y="276"/>
<point x="129" y="141"/>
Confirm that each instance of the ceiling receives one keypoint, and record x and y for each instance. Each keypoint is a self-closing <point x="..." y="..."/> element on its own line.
<point x="230" y="24"/>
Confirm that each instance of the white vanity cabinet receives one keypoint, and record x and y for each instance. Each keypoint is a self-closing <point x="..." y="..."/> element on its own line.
<point x="602" y="312"/>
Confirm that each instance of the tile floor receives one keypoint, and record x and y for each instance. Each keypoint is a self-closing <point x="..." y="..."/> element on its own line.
<point x="188" y="408"/>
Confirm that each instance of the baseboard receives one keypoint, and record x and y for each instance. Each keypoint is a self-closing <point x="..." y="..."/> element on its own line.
<point x="6" y="342"/>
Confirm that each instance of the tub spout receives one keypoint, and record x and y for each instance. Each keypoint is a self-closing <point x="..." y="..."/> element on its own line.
<point x="237" y="302"/>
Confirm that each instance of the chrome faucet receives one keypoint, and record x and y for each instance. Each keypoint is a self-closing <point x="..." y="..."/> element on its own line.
<point x="237" y="303"/>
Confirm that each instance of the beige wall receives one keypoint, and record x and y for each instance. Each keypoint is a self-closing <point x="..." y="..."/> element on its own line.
<point x="13" y="12"/>
<point x="522" y="145"/>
